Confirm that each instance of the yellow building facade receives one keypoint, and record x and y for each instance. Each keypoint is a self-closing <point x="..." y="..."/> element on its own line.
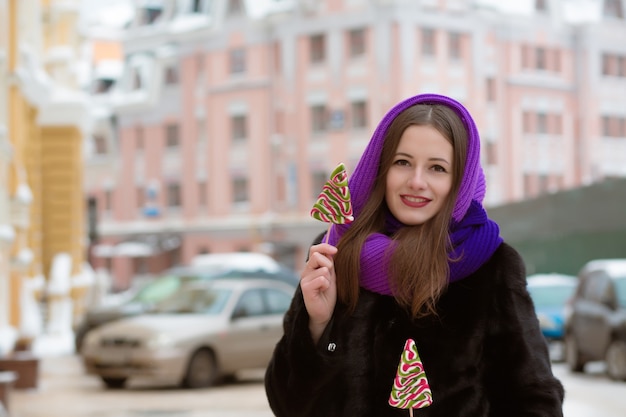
<point x="45" y="117"/>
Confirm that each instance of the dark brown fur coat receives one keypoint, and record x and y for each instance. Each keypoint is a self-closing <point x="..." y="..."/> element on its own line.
<point x="484" y="355"/>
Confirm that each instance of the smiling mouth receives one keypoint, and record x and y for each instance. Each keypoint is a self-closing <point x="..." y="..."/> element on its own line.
<point x="415" y="200"/>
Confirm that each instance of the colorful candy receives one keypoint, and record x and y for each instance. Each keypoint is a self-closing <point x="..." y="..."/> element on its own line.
<point x="410" y="386"/>
<point x="333" y="204"/>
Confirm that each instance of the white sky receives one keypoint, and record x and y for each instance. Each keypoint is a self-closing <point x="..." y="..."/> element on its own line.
<point x="510" y="6"/>
<point x="112" y="12"/>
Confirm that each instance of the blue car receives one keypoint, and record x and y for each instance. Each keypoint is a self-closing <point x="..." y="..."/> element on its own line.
<point x="550" y="294"/>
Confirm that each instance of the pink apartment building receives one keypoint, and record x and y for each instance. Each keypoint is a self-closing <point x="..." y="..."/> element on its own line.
<point x="229" y="115"/>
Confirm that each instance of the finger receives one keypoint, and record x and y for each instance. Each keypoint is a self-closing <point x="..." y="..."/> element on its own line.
<point x="319" y="260"/>
<point x="315" y="284"/>
<point x="323" y="248"/>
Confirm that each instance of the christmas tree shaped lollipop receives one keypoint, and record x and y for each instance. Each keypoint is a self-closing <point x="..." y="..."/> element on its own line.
<point x="333" y="204"/>
<point x="410" y="387"/>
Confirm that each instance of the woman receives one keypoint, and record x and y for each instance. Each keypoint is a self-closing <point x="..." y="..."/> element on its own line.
<point x="423" y="263"/>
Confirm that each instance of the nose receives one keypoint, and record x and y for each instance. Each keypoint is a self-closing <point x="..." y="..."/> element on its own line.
<point x="417" y="180"/>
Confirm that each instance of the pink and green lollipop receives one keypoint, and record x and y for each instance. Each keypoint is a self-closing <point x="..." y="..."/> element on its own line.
<point x="410" y="387"/>
<point x="333" y="204"/>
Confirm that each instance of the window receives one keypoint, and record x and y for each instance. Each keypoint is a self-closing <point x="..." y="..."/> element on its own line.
<point x="541" y="62"/>
<point x="237" y="61"/>
<point x="319" y="179"/>
<point x="491" y="89"/>
<point x="598" y="287"/>
<point x="201" y="133"/>
<point x="108" y="200"/>
<point x="620" y="289"/>
<point x="235" y="8"/>
<point x="337" y="120"/>
<point x="136" y="83"/>
<point x="319" y="118"/>
<point x="606" y="126"/>
<point x="454" y="46"/>
<point x="527" y="122"/>
<point x="238" y="126"/>
<point x="613" y="65"/>
<point x="527" y="185"/>
<point x="359" y="114"/>
<point x="492" y="156"/>
<point x="606" y="64"/>
<point x="171" y="75"/>
<point x="279" y="122"/>
<point x="149" y="15"/>
<point x="544" y="182"/>
<point x="250" y="304"/>
<point x="100" y="144"/>
<point x="613" y="126"/>
<point x="199" y="65"/>
<point x="139" y="139"/>
<point x="277" y="301"/>
<point x="613" y="8"/>
<point x="526" y="52"/>
<point x="140" y="266"/>
<point x="196" y="6"/>
<point x="556" y="64"/>
<point x="542" y="123"/>
<point x="102" y="85"/>
<point x="317" y="49"/>
<point x="240" y="190"/>
<point x="141" y="197"/>
<point x="541" y="6"/>
<point x="202" y="194"/>
<point x="92" y="219"/>
<point x="172" y="139"/>
<point x="173" y="195"/>
<point x="357" y="42"/>
<point x="428" y="42"/>
<point x="557" y="127"/>
<point x="277" y="57"/>
<point x="541" y="58"/>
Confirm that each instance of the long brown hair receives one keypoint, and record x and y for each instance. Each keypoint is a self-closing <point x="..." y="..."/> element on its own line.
<point x="419" y="263"/>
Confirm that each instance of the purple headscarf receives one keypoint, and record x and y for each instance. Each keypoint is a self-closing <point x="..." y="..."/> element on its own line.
<point x="474" y="236"/>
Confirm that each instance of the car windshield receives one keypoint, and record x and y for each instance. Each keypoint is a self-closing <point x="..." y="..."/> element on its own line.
<point x="158" y="290"/>
<point x="620" y="288"/>
<point x="551" y="296"/>
<point x="207" y="301"/>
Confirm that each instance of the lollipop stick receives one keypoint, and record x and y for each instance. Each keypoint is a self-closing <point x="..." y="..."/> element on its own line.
<point x="411" y="412"/>
<point x="327" y="233"/>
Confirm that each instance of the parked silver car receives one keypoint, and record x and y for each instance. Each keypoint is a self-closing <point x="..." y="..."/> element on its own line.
<point x="205" y="331"/>
<point x="203" y="267"/>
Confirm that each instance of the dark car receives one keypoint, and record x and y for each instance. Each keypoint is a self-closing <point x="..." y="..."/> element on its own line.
<point x="151" y="293"/>
<point x="595" y="328"/>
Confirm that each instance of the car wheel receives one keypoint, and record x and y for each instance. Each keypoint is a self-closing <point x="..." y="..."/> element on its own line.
<point x="114" y="383"/>
<point x="572" y="354"/>
<point x="201" y="370"/>
<point x="616" y="360"/>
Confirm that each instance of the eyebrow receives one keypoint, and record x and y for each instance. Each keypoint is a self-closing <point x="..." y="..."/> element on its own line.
<point x="430" y="159"/>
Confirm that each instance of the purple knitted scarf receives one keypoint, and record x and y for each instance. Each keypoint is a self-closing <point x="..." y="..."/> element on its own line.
<point x="474" y="236"/>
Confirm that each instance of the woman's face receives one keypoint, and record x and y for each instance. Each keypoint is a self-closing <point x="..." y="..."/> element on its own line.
<point x="420" y="177"/>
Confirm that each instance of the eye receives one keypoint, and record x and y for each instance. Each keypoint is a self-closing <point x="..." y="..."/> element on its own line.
<point x="438" y="168"/>
<point x="401" y="162"/>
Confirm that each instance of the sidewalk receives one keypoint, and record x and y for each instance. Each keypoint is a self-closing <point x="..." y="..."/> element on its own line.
<point x="65" y="391"/>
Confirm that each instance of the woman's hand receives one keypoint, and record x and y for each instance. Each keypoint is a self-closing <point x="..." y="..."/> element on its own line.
<point x="319" y="287"/>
